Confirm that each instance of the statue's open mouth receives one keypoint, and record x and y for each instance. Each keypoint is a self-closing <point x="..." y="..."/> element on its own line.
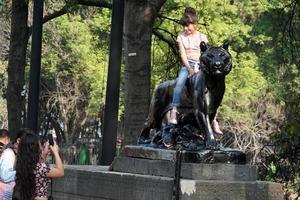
<point x="218" y="72"/>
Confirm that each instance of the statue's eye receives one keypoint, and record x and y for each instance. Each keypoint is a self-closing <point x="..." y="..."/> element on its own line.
<point x="222" y="54"/>
<point x="226" y="60"/>
<point x="210" y="55"/>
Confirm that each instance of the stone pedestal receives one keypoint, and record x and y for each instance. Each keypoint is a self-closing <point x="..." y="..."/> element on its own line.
<point x="150" y="176"/>
<point x="200" y="181"/>
<point x="195" y="171"/>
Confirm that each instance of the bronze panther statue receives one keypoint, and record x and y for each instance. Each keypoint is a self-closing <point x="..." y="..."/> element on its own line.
<point x="200" y="100"/>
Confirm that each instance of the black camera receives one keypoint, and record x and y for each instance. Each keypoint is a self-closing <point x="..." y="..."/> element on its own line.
<point x="48" y="137"/>
<point x="51" y="138"/>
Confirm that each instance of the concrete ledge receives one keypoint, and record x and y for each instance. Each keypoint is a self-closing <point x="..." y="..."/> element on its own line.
<point x="92" y="182"/>
<point x="230" y="190"/>
<point x="97" y="183"/>
<point x="149" y="153"/>
<point x="196" y="171"/>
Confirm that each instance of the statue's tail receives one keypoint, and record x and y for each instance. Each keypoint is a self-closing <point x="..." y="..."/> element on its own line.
<point x="144" y="137"/>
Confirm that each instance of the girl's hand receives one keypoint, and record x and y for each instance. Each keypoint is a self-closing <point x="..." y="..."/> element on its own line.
<point x="191" y="72"/>
<point x="54" y="148"/>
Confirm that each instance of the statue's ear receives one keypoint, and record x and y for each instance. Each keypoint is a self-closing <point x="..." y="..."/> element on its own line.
<point x="225" y="45"/>
<point x="203" y="46"/>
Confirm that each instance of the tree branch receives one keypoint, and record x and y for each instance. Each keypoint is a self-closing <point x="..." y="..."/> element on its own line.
<point x="164" y="17"/>
<point x="97" y="3"/>
<point x="171" y="43"/>
<point x="56" y="14"/>
<point x="64" y="10"/>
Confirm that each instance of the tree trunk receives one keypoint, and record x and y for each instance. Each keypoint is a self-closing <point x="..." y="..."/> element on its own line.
<point x="17" y="58"/>
<point x="139" y="18"/>
<point x="16" y="63"/>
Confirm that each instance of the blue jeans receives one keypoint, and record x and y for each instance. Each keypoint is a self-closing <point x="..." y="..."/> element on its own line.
<point x="182" y="77"/>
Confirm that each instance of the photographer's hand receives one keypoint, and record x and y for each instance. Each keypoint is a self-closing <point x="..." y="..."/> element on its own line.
<point x="54" y="149"/>
<point x="58" y="170"/>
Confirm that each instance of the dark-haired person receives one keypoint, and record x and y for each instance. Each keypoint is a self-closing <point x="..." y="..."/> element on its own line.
<point x="4" y="138"/>
<point x="189" y="47"/>
<point x="20" y="134"/>
<point x="32" y="172"/>
<point x="7" y="161"/>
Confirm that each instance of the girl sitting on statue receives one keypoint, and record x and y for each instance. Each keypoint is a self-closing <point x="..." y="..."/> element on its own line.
<point x="189" y="47"/>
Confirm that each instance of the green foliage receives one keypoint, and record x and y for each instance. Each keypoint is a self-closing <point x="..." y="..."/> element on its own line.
<point x="245" y="85"/>
<point x="77" y="47"/>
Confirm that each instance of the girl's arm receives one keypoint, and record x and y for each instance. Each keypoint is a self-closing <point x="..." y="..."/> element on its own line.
<point x="58" y="169"/>
<point x="184" y="59"/>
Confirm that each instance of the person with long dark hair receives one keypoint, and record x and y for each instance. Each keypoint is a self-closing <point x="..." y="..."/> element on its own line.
<point x="32" y="172"/>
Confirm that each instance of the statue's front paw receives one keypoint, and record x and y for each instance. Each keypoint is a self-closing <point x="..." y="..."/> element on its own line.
<point x="168" y="141"/>
<point x="143" y="140"/>
<point x="168" y="136"/>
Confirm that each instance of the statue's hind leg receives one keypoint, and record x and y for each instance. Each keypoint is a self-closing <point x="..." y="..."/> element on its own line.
<point x="144" y="137"/>
<point x="153" y="122"/>
<point x="159" y="103"/>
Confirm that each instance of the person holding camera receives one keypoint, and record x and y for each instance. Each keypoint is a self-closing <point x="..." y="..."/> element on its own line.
<point x="33" y="173"/>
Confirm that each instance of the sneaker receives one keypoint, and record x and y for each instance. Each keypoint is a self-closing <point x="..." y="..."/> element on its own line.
<point x="216" y="128"/>
<point x="173" y="116"/>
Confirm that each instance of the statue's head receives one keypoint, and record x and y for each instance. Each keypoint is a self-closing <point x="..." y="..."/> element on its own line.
<point x="215" y="61"/>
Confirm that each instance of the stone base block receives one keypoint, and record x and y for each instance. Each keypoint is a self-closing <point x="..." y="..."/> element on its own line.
<point x="196" y="171"/>
<point x="230" y="190"/>
<point x="90" y="183"/>
<point x="224" y="155"/>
